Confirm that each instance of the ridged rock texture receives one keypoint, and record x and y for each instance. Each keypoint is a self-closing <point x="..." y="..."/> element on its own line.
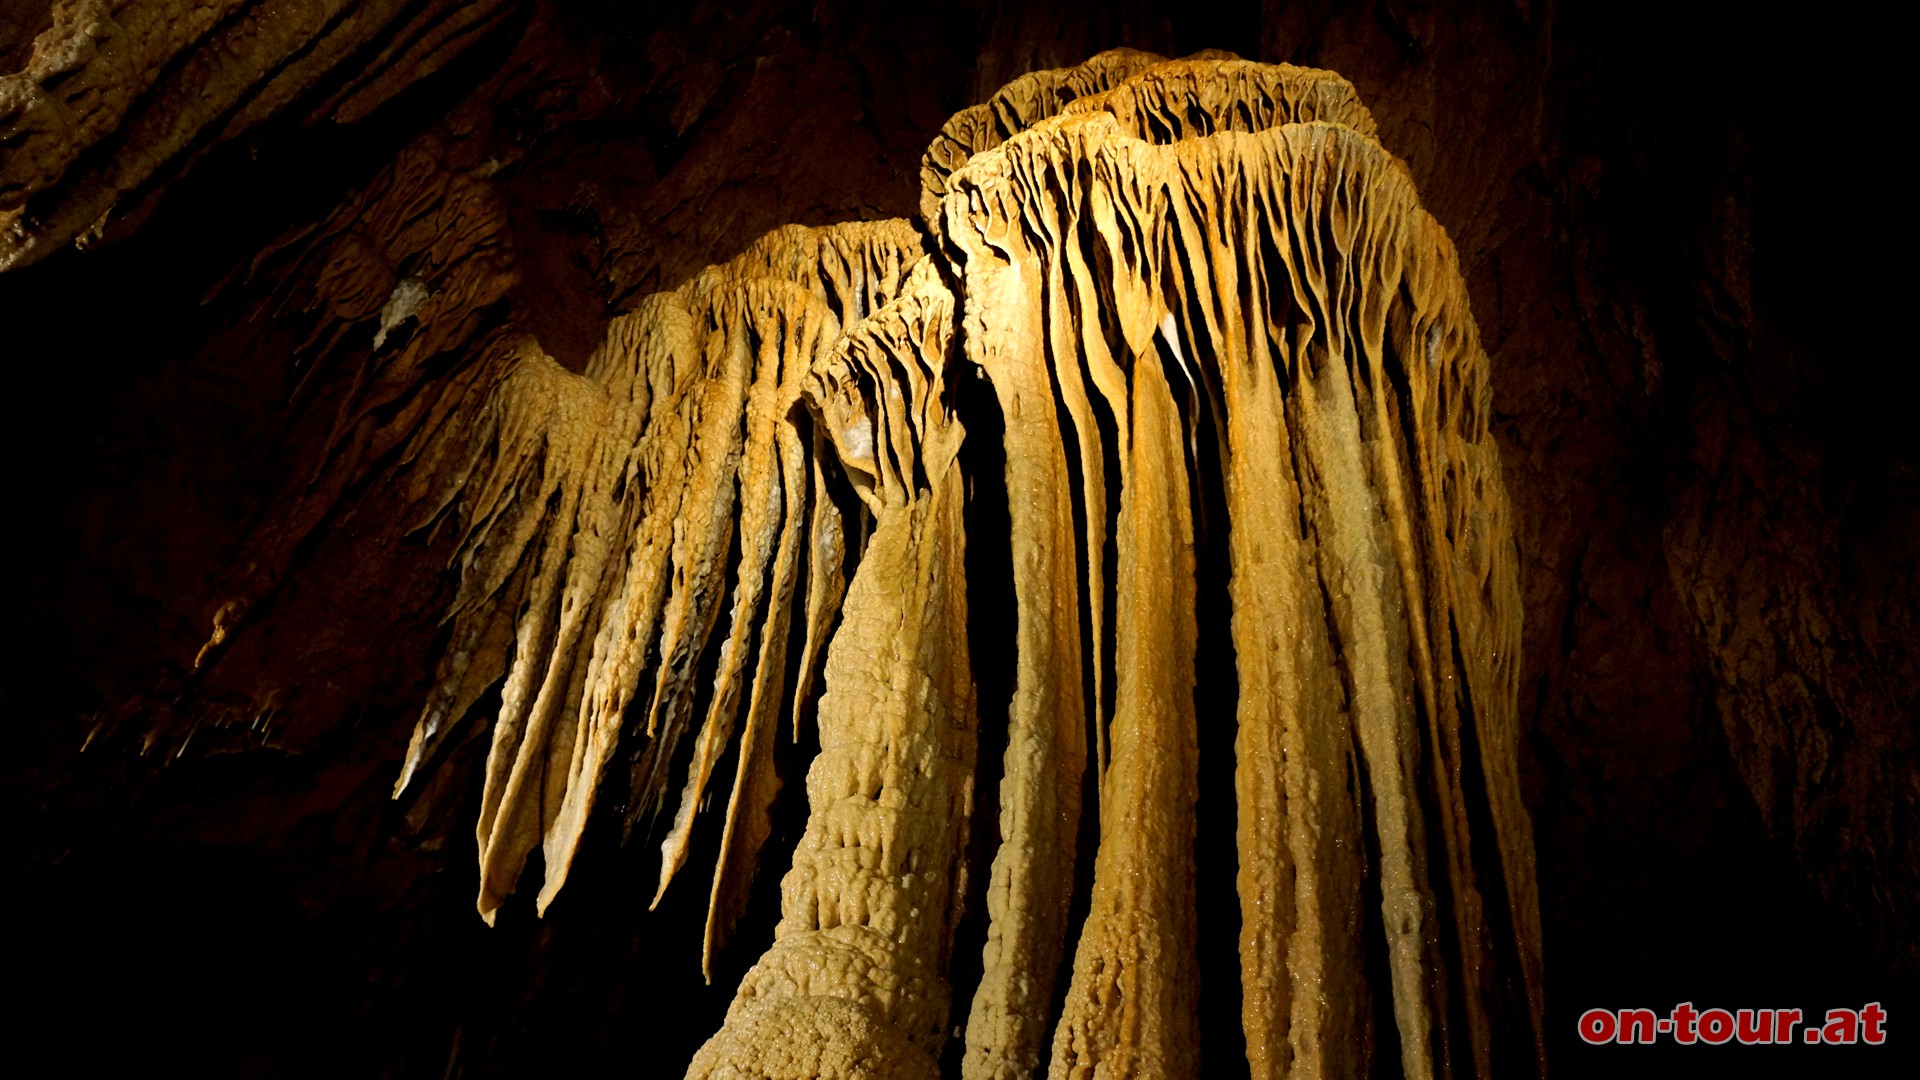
<point x="114" y="95"/>
<point x="1049" y="630"/>
<point x="1216" y="272"/>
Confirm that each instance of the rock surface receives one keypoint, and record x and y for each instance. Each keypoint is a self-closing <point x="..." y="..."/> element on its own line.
<point x="1716" y="683"/>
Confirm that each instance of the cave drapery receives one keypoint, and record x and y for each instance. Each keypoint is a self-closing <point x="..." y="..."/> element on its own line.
<point x="1218" y="325"/>
<point x="1101" y="226"/>
<point x="1240" y="408"/>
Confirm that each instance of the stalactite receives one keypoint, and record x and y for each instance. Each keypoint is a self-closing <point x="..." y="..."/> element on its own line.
<point x="1228" y="260"/>
<point x="1161" y="103"/>
<point x="1146" y="252"/>
<point x="603" y="507"/>
<point x="1174" y="276"/>
<point x="1014" y="108"/>
<point x="855" y="984"/>
<point x="314" y="297"/>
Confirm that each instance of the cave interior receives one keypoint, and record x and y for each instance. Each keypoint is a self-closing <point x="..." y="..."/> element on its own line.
<point x="1705" y="436"/>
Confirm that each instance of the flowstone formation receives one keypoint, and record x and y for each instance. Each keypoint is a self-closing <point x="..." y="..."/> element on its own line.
<point x="1218" y="330"/>
<point x="1218" y="325"/>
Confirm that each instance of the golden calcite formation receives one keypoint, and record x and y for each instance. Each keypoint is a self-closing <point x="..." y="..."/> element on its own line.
<point x="1023" y="357"/>
<point x="1218" y="329"/>
<point x="1167" y="271"/>
<point x="855" y="984"/>
<point x="1286" y="285"/>
<point x="600" y="509"/>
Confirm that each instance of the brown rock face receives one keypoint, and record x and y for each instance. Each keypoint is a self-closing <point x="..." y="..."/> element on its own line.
<point x="1120" y="568"/>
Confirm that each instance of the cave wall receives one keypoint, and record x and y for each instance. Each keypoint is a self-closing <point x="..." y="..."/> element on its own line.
<point x="1667" y="226"/>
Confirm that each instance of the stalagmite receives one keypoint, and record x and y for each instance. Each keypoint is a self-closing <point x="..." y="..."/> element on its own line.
<point x="1219" y="332"/>
<point x="854" y="986"/>
<point x="1145" y="252"/>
